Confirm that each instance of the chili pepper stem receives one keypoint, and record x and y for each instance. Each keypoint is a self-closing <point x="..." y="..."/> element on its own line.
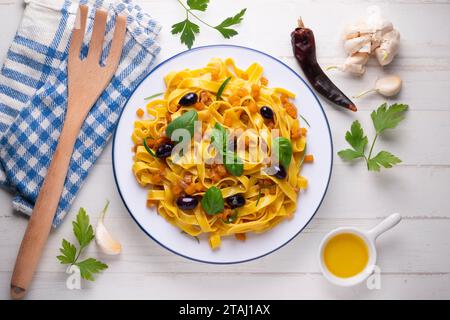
<point x="300" y="23"/>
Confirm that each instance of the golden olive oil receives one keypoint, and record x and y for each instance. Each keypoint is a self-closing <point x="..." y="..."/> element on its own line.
<point x="346" y="255"/>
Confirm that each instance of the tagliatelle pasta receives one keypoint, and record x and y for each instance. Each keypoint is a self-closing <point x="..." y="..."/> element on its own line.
<point x="268" y="199"/>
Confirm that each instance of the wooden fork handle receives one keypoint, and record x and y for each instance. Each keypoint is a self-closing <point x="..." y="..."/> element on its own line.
<point x="40" y="223"/>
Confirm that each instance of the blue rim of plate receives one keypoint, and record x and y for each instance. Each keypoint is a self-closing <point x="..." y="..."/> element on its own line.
<point x="228" y="262"/>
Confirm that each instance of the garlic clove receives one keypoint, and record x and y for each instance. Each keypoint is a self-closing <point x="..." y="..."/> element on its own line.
<point x="105" y="241"/>
<point x="383" y="56"/>
<point x="350" y="36"/>
<point x="389" y="86"/>
<point x="358" y="58"/>
<point x="354" y="64"/>
<point x="389" y="47"/>
<point x="354" y="45"/>
<point x="356" y="69"/>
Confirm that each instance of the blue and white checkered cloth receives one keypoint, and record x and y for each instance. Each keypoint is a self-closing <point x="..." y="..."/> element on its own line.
<point x="33" y="95"/>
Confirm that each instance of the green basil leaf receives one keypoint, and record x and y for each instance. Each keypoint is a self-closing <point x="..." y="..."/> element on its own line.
<point x="154" y="96"/>
<point x="148" y="148"/>
<point x="233" y="164"/>
<point x="259" y="197"/>
<point x="219" y="138"/>
<point x="212" y="201"/>
<point x="222" y="87"/>
<point x="304" y="119"/>
<point x="185" y="121"/>
<point x="282" y="149"/>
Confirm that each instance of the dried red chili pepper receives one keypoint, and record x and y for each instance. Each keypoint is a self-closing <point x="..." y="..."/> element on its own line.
<point x="304" y="47"/>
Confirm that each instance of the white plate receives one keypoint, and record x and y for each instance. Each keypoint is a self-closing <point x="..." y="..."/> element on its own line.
<point x="231" y="250"/>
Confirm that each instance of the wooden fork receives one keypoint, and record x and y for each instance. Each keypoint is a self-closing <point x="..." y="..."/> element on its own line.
<point x="86" y="81"/>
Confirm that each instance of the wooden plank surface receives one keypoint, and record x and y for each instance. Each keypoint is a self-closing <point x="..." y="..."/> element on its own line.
<point x="414" y="258"/>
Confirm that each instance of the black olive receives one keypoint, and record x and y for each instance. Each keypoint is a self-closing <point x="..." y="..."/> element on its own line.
<point x="235" y="201"/>
<point x="266" y="112"/>
<point x="188" y="99"/>
<point x="279" y="171"/>
<point x="164" y="150"/>
<point x="187" y="202"/>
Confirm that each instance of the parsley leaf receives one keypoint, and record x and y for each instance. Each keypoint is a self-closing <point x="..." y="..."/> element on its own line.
<point x="83" y="229"/>
<point x="383" y="158"/>
<point x="388" y="118"/>
<point x="178" y="27"/>
<point x="188" y="30"/>
<point x="199" y="5"/>
<point x="356" y="138"/>
<point x="223" y="27"/>
<point x="89" y="267"/>
<point x="349" y="154"/>
<point x="383" y="118"/>
<point x="69" y="254"/>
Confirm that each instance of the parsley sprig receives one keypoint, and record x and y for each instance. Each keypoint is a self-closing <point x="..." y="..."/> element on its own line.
<point x="189" y="29"/>
<point x="70" y="255"/>
<point x="383" y="118"/>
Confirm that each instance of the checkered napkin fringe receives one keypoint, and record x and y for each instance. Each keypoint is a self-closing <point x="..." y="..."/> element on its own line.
<point x="33" y="95"/>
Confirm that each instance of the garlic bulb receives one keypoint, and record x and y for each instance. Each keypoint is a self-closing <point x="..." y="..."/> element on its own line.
<point x="388" y="86"/>
<point x="105" y="241"/>
<point x="372" y="34"/>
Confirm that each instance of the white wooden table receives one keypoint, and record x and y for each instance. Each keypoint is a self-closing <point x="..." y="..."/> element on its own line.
<point x="414" y="258"/>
